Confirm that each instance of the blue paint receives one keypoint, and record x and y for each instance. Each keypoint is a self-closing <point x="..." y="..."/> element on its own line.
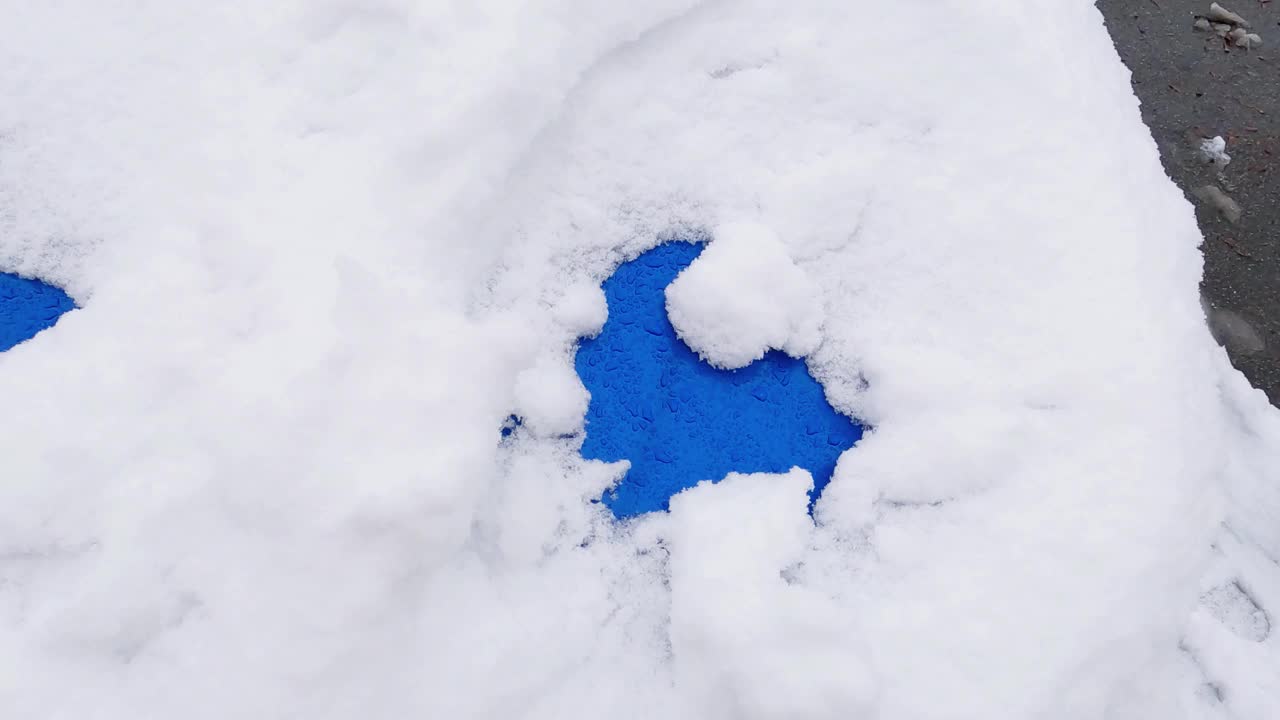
<point x="27" y="307"/>
<point x="678" y="419"/>
<point x="510" y="425"/>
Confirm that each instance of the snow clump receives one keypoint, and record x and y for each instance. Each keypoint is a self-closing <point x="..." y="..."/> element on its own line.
<point x="744" y="296"/>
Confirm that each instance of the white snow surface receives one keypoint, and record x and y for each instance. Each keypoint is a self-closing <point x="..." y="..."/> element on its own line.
<point x="325" y="247"/>
<point x="744" y="296"/>
<point x="1214" y="150"/>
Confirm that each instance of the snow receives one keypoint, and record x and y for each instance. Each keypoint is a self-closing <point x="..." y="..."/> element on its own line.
<point x="582" y="310"/>
<point x="1214" y="150"/>
<point x="550" y="398"/>
<point x="747" y="640"/>
<point x="744" y="296"/>
<point x="322" y="249"/>
<point x="1231" y="636"/>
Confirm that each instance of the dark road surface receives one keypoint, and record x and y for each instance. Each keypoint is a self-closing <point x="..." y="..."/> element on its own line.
<point x="1193" y="85"/>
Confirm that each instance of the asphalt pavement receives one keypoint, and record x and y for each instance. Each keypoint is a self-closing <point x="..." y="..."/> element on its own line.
<point x="1193" y="85"/>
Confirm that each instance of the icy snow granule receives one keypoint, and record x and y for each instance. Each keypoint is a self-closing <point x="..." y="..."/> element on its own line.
<point x="28" y="306"/>
<point x="679" y="420"/>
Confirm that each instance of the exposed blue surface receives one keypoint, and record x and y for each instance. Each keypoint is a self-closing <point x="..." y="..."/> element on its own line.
<point x="679" y="420"/>
<point x="509" y="427"/>
<point x="27" y="307"/>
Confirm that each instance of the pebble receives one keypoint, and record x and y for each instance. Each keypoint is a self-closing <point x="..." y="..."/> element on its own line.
<point x="1217" y="13"/>
<point x="1230" y="209"/>
<point x="1228" y="26"/>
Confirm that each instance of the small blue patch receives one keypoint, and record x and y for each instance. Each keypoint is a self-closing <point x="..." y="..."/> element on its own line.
<point x="510" y="425"/>
<point x="678" y="419"/>
<point x="27" y="307"/>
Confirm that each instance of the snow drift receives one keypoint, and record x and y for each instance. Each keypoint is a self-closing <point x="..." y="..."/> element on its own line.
<point x="323" y="249"/>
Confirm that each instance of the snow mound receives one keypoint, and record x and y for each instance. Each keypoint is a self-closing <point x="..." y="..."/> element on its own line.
<point x="322" y="248"/>
<point x="582" y="310"/>
<point x="549" y="398"/>
<point x="786" y="651"/>
<point x="744" y="296"/>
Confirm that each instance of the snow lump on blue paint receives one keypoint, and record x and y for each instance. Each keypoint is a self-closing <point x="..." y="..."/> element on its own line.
<point x="676" y="418"/>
